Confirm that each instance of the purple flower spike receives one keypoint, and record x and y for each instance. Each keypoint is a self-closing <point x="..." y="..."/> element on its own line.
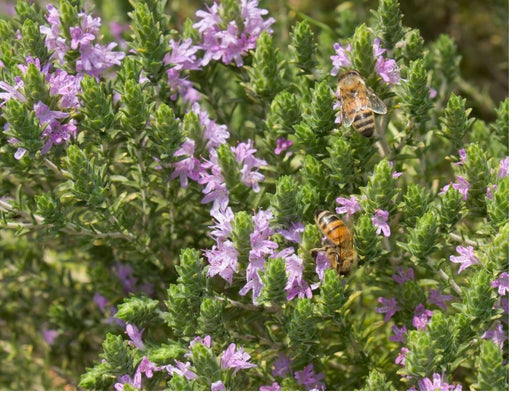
<point x="230" y="40"/>
<point x="497" y="335"/>
<point x="402" y="276"/>
<point x="399" y="334"/>
<point x="310" y="379"/>
<point x="390" y="307"/>
<point x="282" y="366"/>
<point x="438" y="299"/>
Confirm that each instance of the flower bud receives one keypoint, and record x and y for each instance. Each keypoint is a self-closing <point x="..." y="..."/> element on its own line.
<point x="332" y="293"/>
<point x="362" y="56"/>
<point x="274" y="280"/>
<point x="422" y="240"/>
<point x="267" y="70"/>
<point x="366" y="242"/>
<point x="283" y="202"/>
<point x="304" y="47"/>
<point x="455" y="123"/>
<point x="210" y="318"/>
<point x="492" y="374"/>
<point x="389" y="22"/>
<point x="137" y="310"/>
<point x="380" y="191"/>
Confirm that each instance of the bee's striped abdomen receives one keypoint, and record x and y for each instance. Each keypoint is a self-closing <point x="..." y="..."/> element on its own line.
<point x="332" y="227"/>
<point x="364" y="122"/>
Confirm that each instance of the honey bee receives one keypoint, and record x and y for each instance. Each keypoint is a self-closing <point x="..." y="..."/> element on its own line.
<point x="358" y="103"/>
<point x="341" y="254"/>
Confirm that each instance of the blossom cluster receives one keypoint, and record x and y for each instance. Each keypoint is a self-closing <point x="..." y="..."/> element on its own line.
<point x="94" y="59"/>
<point x="307" y="377"/>
<point x="225" y="38"/>
<point x="228" y="38"/>
<point x="223" y="256"/>
<point x="232" y="358"/>
<point x="386" y="68"/>
<point x="57" y="125"/>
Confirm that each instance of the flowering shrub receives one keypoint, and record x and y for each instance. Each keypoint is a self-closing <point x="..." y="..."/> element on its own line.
<point x="158" y="193"/>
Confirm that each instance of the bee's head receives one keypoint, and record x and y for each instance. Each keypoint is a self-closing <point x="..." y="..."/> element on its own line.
<point x="349" y="74"/>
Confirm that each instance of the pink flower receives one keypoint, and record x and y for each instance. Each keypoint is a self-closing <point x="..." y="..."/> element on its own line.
<point x="237" y="359"/>
<point x="322" y="263"/>
<point x="466" y="258"/>
<point x="377" y="49"/>
<point x="282" y="366"/>
<point x="135" y="336"/>
<point x="230" y="40"/>
<point x="223" y="260"/>
<point x="148" y="367"/>
<point x="296" y="285"/>
<point x="273" y="387"/>
<point x="294" y="232"/>
<point x="388" y="70"/>
<point x="341" y="59"/>
<point x="502" y="283"/>
<point x="380" y="221"/>
<point x="462" y="154"/>
<point x="401" y="358"/>
<point x="438" y="384"/>
<point x="122" y="380"/>
<point x="462" y="186"/>
<point x="348" y="206"/>
<point x="100" y="300"/>
<point x="181" y="369"/>
<point x="421" y="317"/>
<point x="218" y="386"/>
<point x="504" y="168"/>
<point x="282" y="144"/>
<point x="50" y="335"/>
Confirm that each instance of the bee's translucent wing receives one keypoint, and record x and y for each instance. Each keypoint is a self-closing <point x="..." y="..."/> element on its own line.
<point x="348" y="102"/>
<point x="376" y="104"/>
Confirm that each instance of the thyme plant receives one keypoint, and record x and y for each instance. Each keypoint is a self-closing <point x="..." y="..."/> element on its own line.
<point x="158" y="187"/>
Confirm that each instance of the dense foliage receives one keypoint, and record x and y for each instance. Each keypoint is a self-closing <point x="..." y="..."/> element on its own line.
<point x="158" y="188"/>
